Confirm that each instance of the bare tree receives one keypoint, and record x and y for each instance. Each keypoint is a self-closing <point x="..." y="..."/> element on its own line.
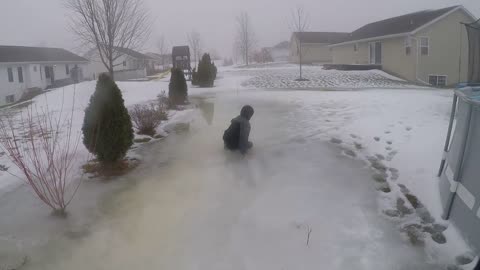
<point x="196" y="44"/>
<point x="43" y="147"/>
<point x="162" y="49"/>
<point x="110" y="24"/>
<point x="299" y="24"/>
<point x="245" y="41"/>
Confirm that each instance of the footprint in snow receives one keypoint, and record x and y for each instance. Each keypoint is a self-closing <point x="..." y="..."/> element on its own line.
<point x="389" y="142"/>
<point x="335" y="140"/>
<point x="388" y="132"/>
<point x="408" y="128"/>
<point x="391" y="155"/>
<point x="358" y="145"/>
<point x="377" y="139"/>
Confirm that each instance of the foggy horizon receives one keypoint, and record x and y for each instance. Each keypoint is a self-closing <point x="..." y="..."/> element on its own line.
<point x="48" y="25"/>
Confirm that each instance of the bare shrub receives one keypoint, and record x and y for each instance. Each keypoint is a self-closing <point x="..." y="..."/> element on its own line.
<point x="163" y="101"/>
<point x="43" y="147"/>
<point x="146" y="118"/>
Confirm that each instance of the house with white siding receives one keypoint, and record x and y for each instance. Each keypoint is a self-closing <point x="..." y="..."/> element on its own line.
<point x="25" y="69"/>
<point x="128" y="64"/>
<point x="429" y="46"/>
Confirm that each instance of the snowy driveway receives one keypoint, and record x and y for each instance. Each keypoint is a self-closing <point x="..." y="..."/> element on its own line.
<point x="293" y="203"/>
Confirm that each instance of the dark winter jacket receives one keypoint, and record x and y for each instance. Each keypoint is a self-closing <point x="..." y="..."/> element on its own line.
<point x="236" y="136"/>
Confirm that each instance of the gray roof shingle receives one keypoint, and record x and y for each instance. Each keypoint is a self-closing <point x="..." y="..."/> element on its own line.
<point x="21" y="54"/>
<point x="397" y="25"/>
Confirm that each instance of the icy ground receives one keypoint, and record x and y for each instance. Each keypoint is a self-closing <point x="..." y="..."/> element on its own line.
<point x="304" y="198"/>
<point x="283" y="77"/>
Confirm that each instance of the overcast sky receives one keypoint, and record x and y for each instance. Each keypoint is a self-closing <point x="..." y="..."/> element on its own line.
<point x="44" y="22"/>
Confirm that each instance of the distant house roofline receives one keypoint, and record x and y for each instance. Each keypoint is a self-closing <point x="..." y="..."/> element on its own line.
<point x="26" y="54"/>
<point x="124" y="51"/>
<point x="319" y="37"/>
<point x="370" y="39"/>
<point x="408" y="33"/>
<point x="282" y="45"/>
<point x="133" y="53"/>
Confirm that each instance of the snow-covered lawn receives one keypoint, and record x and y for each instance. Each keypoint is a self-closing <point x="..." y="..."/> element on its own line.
<point x="283" y="77"/>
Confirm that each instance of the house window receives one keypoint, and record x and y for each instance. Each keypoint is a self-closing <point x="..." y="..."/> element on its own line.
<point x="124" y="63"/>
<point x="41" y="74"/>
<point x="10" y="98"/>
<point x="67" y="70"/>
<point x="47" y="72"/>
<point x="34" y="68"/>
<point x="20" y="74"/>
<point x="437" y="80"/>
<point x="355" y="47"/>
<point x="424" y="45"/>
<point x="10" y="74"/>
<point x="408" y="46"/>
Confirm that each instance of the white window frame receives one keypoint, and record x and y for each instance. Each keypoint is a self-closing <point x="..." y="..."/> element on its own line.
<point x="408" y="44"/>
<point x="10" y="75"/>
<point x="420" y="46"/>
<point x="20" y="75"/>
<point x="437" y="75"/>
<point x="370" y="53"/>
<point x="374" y="43"/>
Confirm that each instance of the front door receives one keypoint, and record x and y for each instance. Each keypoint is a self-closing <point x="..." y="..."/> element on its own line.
<point x="49" y="75"/>
<point x="375" y="50"/>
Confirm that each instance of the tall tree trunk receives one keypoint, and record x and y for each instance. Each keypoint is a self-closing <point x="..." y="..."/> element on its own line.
<point x="110" y="68"/>
<point x="300" y="58"/>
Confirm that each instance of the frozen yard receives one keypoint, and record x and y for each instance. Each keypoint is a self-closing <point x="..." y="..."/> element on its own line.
<point x="320" y="190"/>
<point x="283" y="77"/>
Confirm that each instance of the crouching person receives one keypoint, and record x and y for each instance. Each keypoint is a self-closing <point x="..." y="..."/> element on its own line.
<point x="236" y="136"/>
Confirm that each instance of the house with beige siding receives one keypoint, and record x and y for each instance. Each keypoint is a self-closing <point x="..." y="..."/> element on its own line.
<point x="314" y="46"/>
<point x="429" y="46"/>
